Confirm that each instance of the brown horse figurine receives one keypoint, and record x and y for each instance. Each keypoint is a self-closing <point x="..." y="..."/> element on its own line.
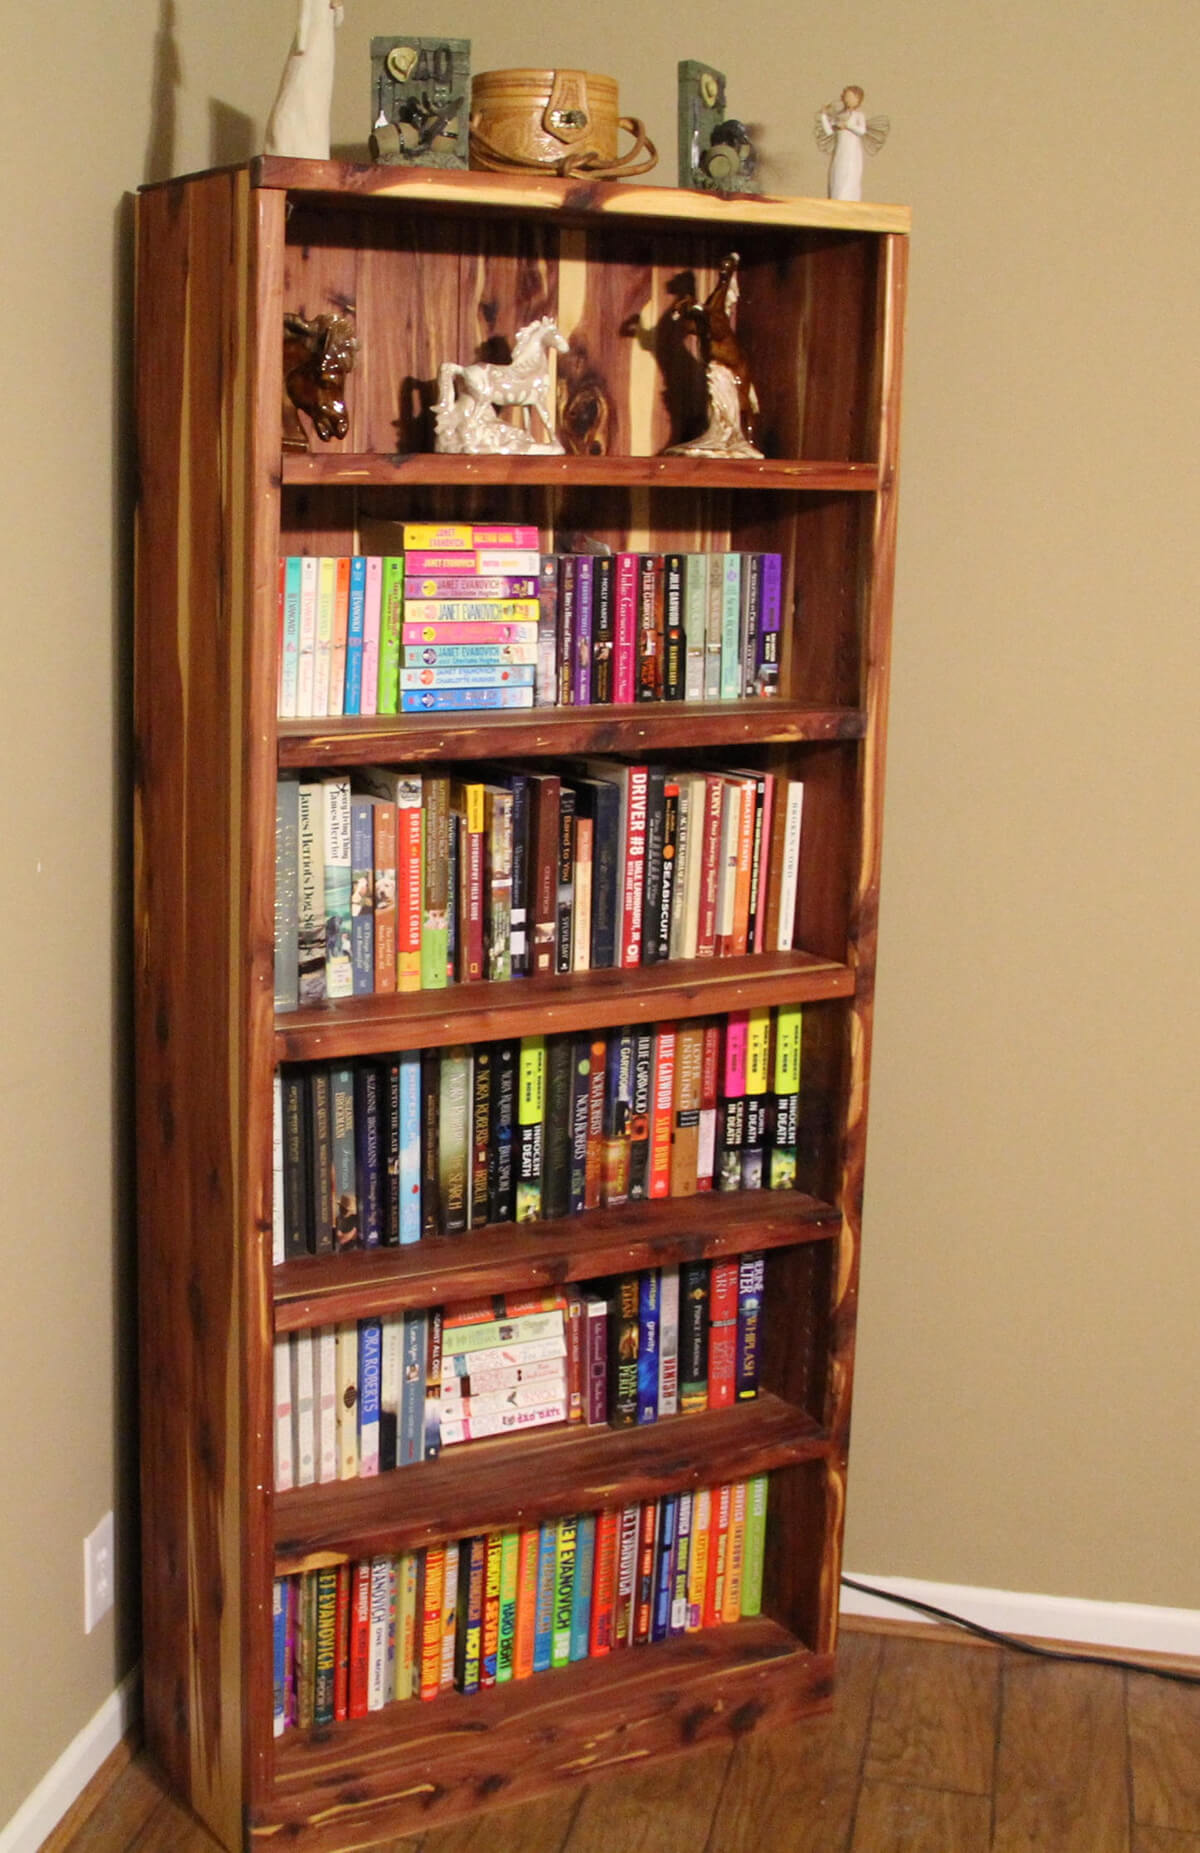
<point x="732" y="399"/>
<point x="317" y="356"/>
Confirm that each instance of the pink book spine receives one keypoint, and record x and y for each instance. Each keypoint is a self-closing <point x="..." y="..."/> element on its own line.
<point x="467" y="630"/>
<point x="484" y="535"/>
<point x="735" y="1054"/>
<point x="764" y="860"/>
<point x="625" y="629"/>
<point x="370" y="655"/>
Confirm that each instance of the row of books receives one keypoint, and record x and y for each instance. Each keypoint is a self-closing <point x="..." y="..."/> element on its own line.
<point x="478" y="1612"/>
<point x="390" y="1150"/>
<point x="498" y="623"/>
<point x="404" y="881"/>
<point x="364" y="1397"/>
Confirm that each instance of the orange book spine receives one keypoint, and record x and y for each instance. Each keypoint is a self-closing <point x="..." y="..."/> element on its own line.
<point x="702" y="1509"/>
<point x="431" y="1622"/>
<point x="714" y="1588"/>
<point x="527" y="1586"/>
<point x="604" y="1584"/>
<point x="662" y="1110"/>
<point x="491" y="1610"/>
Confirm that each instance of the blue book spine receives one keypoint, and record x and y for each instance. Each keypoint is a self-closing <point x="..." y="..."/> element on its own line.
<point x="370" y="1363"/>
<point x="279" y="1624"/>
<point x="464" y="700"/>
<point x="581" y="1598"/>
<point x="362" y="895"/>
<point x="664" y="1569"/>
<point x="410" y="1148"/>
<point x="543" y="1622"/>
<point x="581" y="682"/>
<point x="647" y="1391"/>
<point x="469" y="675"/>
<point x="411" y="1442"/>
<point x="354" y="634"/>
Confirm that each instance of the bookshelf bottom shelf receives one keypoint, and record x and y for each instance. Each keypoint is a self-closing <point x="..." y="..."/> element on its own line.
<point x="416" y="1765"/>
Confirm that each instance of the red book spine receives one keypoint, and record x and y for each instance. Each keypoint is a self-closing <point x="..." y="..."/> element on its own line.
<point x="341" y="1666"/>
<point x="634" y="874"/>
<point x="604" y="1584"/>
<point x="722" y="1334"/>
<point x="714" y="1591"/>
<point x="650" y="627"/>
<point x="626" y="1579"/>
<point x="360" y="1636"/>
<point x="662" y="1110"/>
<point x="575" y="1357"/>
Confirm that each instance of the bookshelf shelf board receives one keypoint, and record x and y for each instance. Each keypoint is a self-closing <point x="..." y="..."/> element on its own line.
<point x="519" y="1738"/>
<point x="518" y="1257"/>
<point x="518" y="1480"/>
<point x="381" y="1025"/>
<point x="359" y="470"/>
<point x="417" y="739"/>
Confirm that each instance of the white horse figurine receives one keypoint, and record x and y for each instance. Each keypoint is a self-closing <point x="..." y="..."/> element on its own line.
<point x="299" y="121"/>
<point x="465" y="420"/>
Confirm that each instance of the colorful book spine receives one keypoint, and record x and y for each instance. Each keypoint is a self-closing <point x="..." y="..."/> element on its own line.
<point x="601" y="1620"/>
<point x="339" y="971"/>
<point x="722" y="1334"/>
<point x="464" y="536"/>
<point x="543" y="1616"/>
<point x="531" y="1108"/>
<point x="648" y="1345"/>
<point x="463" y="700"/>
<point x="565" y="1553"/>
<point x="789" y="1024"/>
<point x="623" y="1338"/>
<point x="391" y="621"/>
<point x="528" y="1558"/>
<point x="469" y="1643"/>
<point x="769" y="655"/>
<point x="758" y="1074"/>
<point x="581" y="1589"/>
<point x="693" y="1336"/>
<point x="754" y="1546"/>
<point x="476" y="563"/>
<point x="751" y="1282"/>
<point x="463" y="631"/>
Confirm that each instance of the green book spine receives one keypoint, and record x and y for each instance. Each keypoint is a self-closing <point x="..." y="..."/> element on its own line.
<point x="731" y="629"/>
<point x="564" y="1590"/>
<point x="754" y="1546"/>
<point x="531" y="1109"/>
<point x="391" y="624"/>
<point x="505" y="1651"/>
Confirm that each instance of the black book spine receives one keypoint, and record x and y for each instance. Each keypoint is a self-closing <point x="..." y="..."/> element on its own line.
<point x="556" y="1146"/>
<point x="670" y="854"/>
<point x="693" y="1335"/>
<point x="520" y="928"/>
<point x="639" y="1120"/>
<point x="603" y="627"/>
<point x="502" y="1189"/>
<point x="751" y="619"/>
<point x="296" y="1165"/>
<point x="656" y="805"/>
<point x="431" y="1077"/>
<point x="320" y="1200"/>
<point x="564" y="918"/>
<point x="368" y="1127"/>
<point x="606" y="835"/>
<point x="675" y="654"/>
<point x="481" y="1121"/>
<point x="623" y="1351"/>
<point x="581" y="1074"/>
<point x="757" y="888"/>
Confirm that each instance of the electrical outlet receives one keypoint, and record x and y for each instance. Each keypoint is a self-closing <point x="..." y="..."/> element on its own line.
<point x="98" y="1573"/>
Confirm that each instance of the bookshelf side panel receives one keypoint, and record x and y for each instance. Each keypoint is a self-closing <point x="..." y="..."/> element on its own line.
<point x="188" y="984"/>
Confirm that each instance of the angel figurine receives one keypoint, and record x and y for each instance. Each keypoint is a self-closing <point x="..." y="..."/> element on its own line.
<point x="299" y="121"/>
<point x="843" y="132"/>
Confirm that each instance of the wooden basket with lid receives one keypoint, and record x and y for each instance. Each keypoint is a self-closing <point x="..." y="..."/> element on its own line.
<point x="555" y="122"/>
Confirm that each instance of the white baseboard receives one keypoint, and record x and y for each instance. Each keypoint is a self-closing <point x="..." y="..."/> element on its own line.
<point x="42" y="1811"/>
<point x="1128" y="1626"/>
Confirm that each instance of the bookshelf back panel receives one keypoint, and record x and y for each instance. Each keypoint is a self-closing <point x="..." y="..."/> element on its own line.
<point x="425" y="288"/>
<point x="802" y="1558"/>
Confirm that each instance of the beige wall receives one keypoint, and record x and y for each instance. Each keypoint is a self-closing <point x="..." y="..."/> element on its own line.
<point x="1028" y="1380"/>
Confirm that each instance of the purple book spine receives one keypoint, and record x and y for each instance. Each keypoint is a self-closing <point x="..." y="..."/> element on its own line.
<point x="596" y="1360"/>
<point x="581" y="678"/>
<point x="769" y="625"/>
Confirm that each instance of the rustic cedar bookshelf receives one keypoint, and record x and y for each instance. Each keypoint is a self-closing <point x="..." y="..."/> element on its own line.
<point x="433" y="266"/>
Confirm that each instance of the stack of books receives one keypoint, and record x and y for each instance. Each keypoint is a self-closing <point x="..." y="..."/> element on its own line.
<point x="477" y="616"/>
<point x="390" y="1150"/>
<point x="404" y="881"/>
<point x="477" y="1612"/>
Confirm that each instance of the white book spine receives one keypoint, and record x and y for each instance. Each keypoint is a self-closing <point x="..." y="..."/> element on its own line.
<point x="377" y="1650"/>
<point x="668" y="1341"/>
<point x="531" y="1351"/>
<point x="323" y="654"/>
<point x="308" y="637"/>
<point x="479" y="1428"/>
<point x="285" y="1456"/>
<point x="457" y="1408"/>
<point x="731" y="819"/>
<point x="485" y="1382"/>
<point x="790" y="872"/>
<point x="391" y="1370"/>
<point x="325" y="1346"/>
<point x="303" y="1410"/>
<point x="581" y="919"/>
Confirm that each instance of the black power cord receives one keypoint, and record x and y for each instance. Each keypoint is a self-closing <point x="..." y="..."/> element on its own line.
<point x="1020" y="1646"/>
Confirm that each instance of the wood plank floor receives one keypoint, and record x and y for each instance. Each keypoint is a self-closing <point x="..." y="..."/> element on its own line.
<point x="937" y="1745"/>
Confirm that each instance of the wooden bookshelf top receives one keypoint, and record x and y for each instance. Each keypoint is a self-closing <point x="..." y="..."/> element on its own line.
<point x="521" y="1479"/>
<point x="570" y="200"/>
<point x="510" y="1257"/>
<point x="382" y="1024"/>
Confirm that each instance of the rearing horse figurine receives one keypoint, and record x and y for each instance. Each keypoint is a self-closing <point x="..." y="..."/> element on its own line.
<point x="465" y="420"/>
